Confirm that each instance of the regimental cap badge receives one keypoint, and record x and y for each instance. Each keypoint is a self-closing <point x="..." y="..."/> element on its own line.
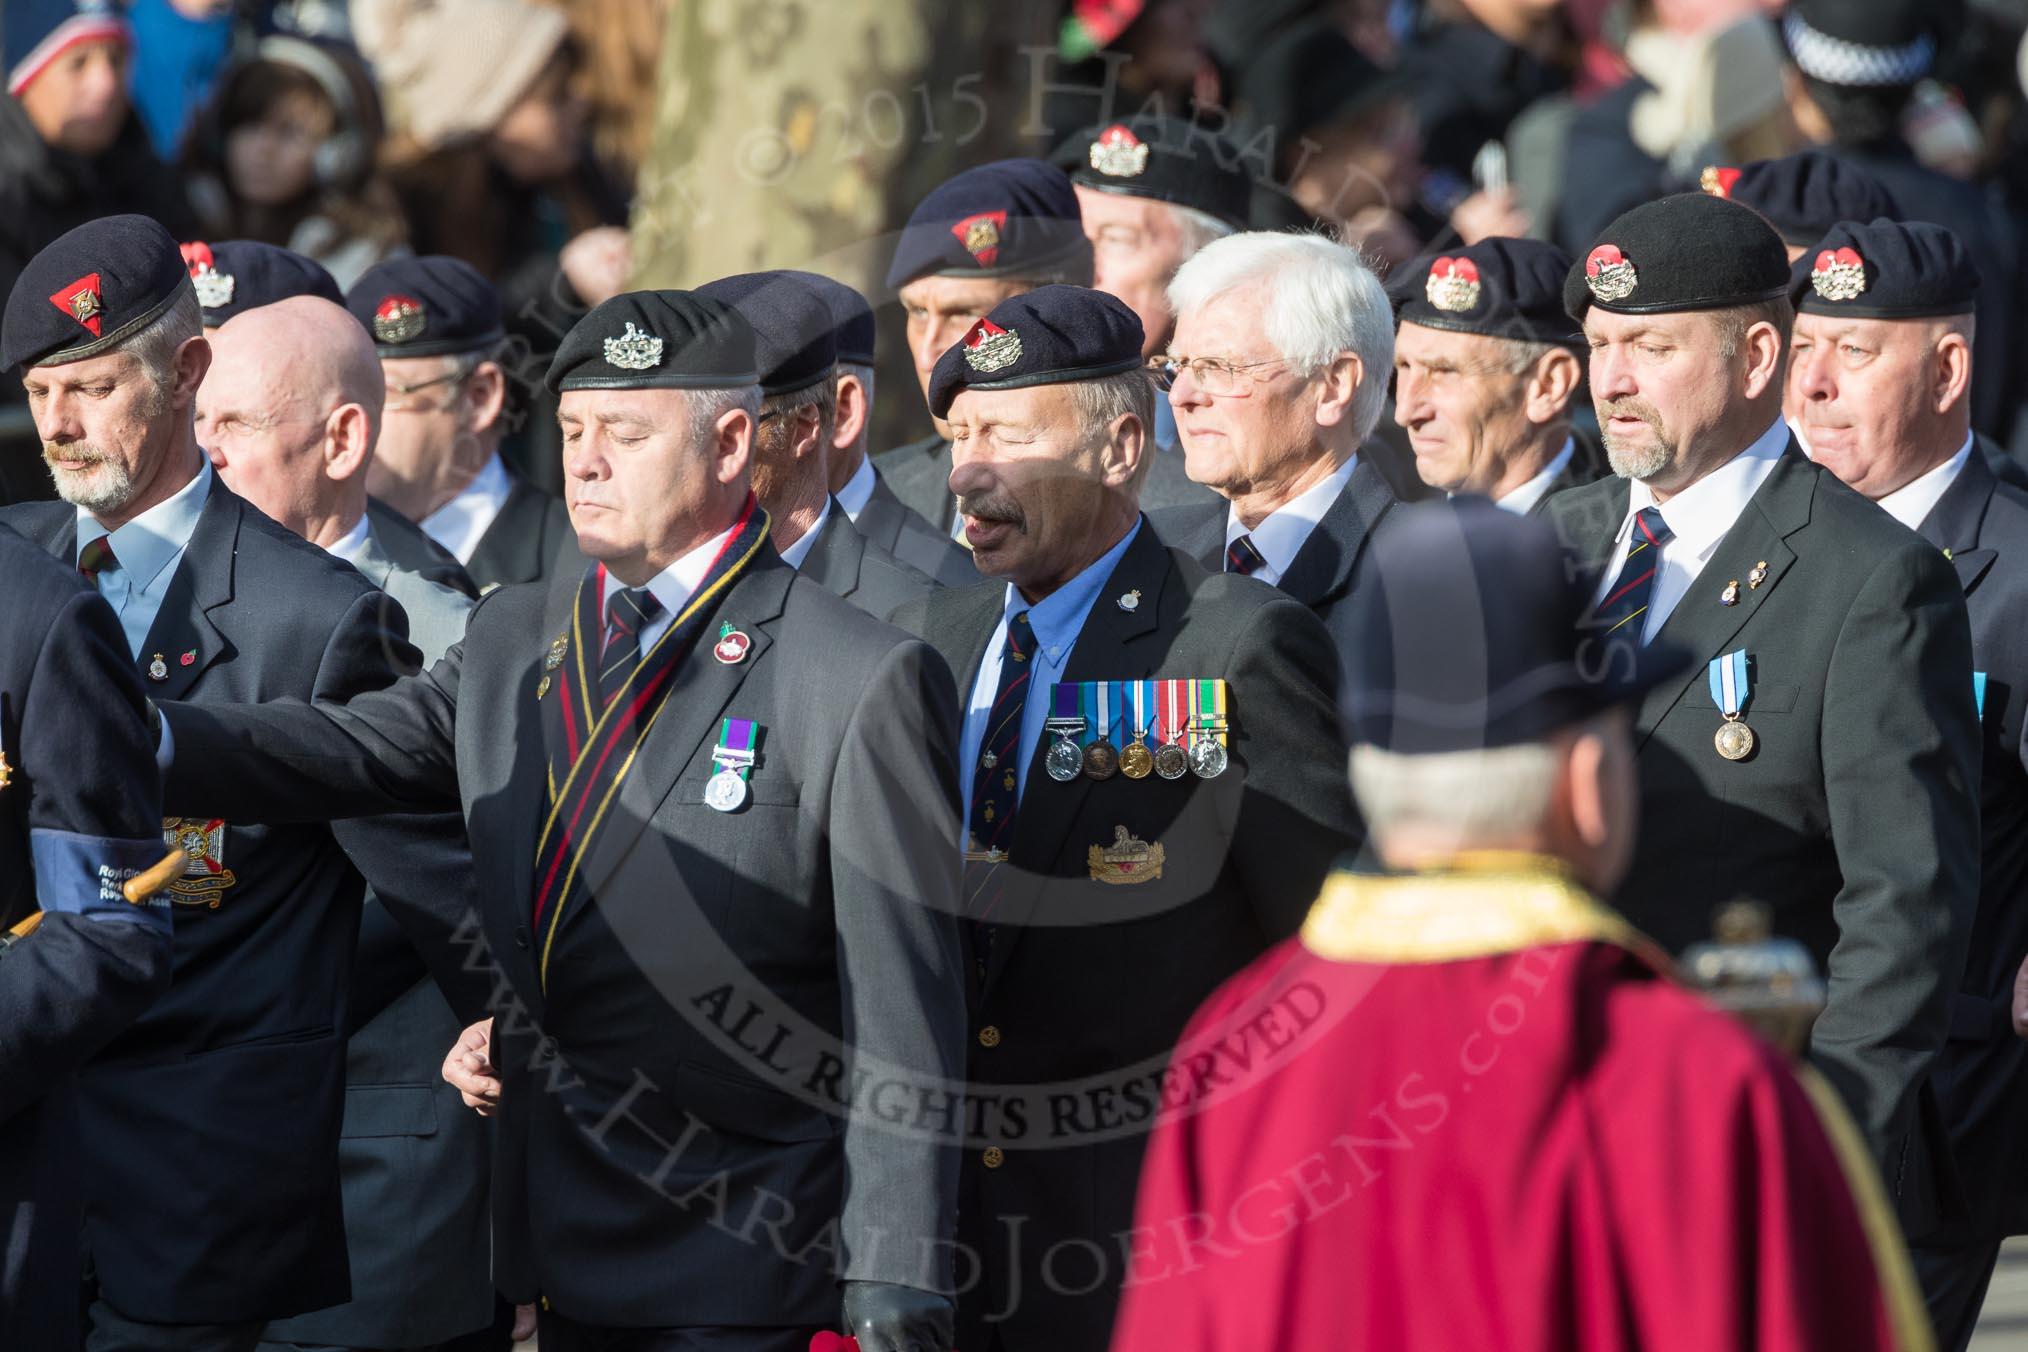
<point x="214" y="288"/>
<point x="1452" y="284"/>
<point x="1118" y="153"/>
<point x="1838" y="274"/>
<point x="989" y="348"/>
<point x="81" y="301"/>
<point x="399" y="319"/>
<point x="634" y="350"/>
<point x="1717" y="180"/>
<point x="1609" y="273"/>
<point x="980" y="234"/>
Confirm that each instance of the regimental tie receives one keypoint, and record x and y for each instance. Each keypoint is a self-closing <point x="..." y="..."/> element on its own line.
<point x="628" y="611"/>
<point x="1242" y="558"/>
<point x="1623" y="609"/>
<point x="95" y="558"/>
<point x="996" y="787"/>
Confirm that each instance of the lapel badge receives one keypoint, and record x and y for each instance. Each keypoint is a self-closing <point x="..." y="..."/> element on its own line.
<point x="1609" y="273"/>
<point x="554" y="657"/>
<point x="989" y="348"/>
<point x="1947" y="554"/>
<point x="1838" y="274"/>
<point x="1730" y="596"/>
<point x="988" y="759"/>
<point x="1130" y="601"/>
<point x="205" y="876"/>
<point x="1452" y="284"/>
<point x="158" y="670"/>
<point x="1127" y="860"/>
<point x="634" y="350"/>
<point x="399" y="319"/>
<point x="188" y="659"/>
<point x="732" y="646"/>
<point x="541" y="687"/>
<point x="1757" y="576"/>
<point x="1118" y="153"/>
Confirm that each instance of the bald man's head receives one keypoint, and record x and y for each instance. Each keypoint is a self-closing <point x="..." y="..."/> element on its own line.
<point x="289" y="411"/>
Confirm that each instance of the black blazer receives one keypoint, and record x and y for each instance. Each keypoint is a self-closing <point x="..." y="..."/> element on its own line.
<point x="1982" y="1075"/>
<point x="529" y="541"/>
<point x="212" y="1124"/>
<point x="1094" y="980"/>
<point x="1857" y="816"/>
<point x="846" y="563"/>
<point x="80" y="761"/>
<point x="1323" y="571"/>
<point x="634" y="1075"/>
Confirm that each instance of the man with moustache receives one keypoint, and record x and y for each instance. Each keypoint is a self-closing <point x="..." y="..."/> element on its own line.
<point x="1823" y="754"/>
<point x="212" y="1124"/>
<point x="1881" y="372"/>
<point x="1187" y="799"/>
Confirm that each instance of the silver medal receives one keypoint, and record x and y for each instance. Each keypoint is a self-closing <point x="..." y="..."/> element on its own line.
<point x="726" y="790"/>
<point x="1207" y="759"/>
<point x="1065" y="761"/>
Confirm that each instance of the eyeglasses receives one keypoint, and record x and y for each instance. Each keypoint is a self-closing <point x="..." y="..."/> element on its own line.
<point x="1215" y="376"/>
<point x="398" y="393"/>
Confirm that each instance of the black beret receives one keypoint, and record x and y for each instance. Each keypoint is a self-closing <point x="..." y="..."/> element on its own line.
<point x="1502" y="288"/>
<point x="1471" y="636"/>
<point x="794" y="345"/>
<point x="1862" y="44"/>
<point x="90" y="290"/>
<point x="1308" y="78"/>
<point x="657" y="340"/>
<point x="851" y="317"/>
<point x="237" y="275"/>
<point x="1165" y="158"/>
<point x="1049" y="336"/>
<point x="1804" y="194"/>
<point x="1886" y="270"/>
<point x="431" y="306"/>
<point x="1685" y="252"/>
<point x="1010" y="218"/>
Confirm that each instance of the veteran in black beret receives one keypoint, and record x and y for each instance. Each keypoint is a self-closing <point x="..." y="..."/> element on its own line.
<point x="1802" y="195"/>
<point x="1822" y="755"/>
<point x="1485" y="369"/>
<point x="443" y="348"/>
<point x="977" y="239"/>
<point x="1880" y="383"/>
<point x="237" y="275"/>
<point x="1150" y="763"/>
<point x="796" y="349"/>
<point x="211" y="1125"/>
<point x="713" y="808"/>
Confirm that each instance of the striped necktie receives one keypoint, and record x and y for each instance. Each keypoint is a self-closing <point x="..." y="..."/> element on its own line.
<point x="1242" y="558"/>
<point x="628" y="611"/>
<point x="1634" y="588"/>
<point x="97" y="557"/>
<point x="996" y="783"/>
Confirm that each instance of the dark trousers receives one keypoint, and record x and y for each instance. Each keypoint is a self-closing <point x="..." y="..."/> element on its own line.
<point x="496" y="1337"/>
<point x="1954" y="1282"/>
<point x="111" y="1331"/>
<point x="559" y="1333"/>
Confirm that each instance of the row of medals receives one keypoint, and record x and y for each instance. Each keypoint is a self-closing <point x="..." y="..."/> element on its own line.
<point x="1204" y="757"/>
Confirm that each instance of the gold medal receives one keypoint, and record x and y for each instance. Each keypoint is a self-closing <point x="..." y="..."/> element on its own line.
<point x="1100" y="760"/>
<point x="1734" y="740"/>
<point x="1137" y="762"/>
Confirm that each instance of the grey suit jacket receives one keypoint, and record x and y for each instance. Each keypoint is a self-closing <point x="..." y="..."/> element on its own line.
<point x="919" y="474"/>
<point x="1857" y="816"/>
<point x="529" y="541"/>
<point x="846" y="563"/>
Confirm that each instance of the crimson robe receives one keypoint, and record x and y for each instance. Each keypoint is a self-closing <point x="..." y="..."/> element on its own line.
<point x="1471" y="1111"/>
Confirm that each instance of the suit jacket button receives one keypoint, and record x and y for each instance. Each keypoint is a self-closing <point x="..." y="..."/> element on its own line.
<point x="521" y="938"/>
<point x="546" y="1049"/>
<point x="989" y="1036"/>
<point x="994" y="1157"/>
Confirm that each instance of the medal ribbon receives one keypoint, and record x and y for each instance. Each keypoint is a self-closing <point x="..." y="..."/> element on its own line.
<point x="1979" y="693"/>
<point x="592" y="747"/>
<point x="1063" y="707"/>
<point x="1172" y="710"/>
<point x="1210" y="706"/>
<point x="735" y="745"/>
<point x="1730" y="687"/>
<point x="1144" y="708"/>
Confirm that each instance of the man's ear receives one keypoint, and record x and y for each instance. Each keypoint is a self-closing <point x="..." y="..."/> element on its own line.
<point x="1950" y="371"/>
<point x="1340" y="381"/>
<point x="855" y="409"/>
<point x="1126" y="446"/>
<point x="1762" y="348"/>
<point x="348" y="442"/>
<point x="806" y="436"/>
<point x="485" y="395"/>
<point x="732" y="444"/>
<point x="187" y="371"/>
<point x="1546" y="397"/>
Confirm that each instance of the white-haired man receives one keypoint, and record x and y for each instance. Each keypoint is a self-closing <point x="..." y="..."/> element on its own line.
<point x="1279" y="370"/>
<point x="212" y="1125"/>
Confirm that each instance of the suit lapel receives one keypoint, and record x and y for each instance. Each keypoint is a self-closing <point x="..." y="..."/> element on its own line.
<point x="836" y="555"/>
<point x="1953" y="524"/>
<point x="1322" y="568"/>
<point x="511" y="547"/>
<point x="185" y="635"/>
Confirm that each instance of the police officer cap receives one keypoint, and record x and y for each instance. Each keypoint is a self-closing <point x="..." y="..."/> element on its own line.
<point x="431" y="306"/>
<point x="1010" y="218"/>
<point x="851" y="317"/>
<point x="1165" y="158"/>
<point x="657" y="340"/>
<point x="794" y="345"/>
<point x="1804" y="194"/>
<point x="1049" y="336"/>
<point x="1862" y="44"/>
<point x="1685" y="252"/>
<point x="1473" y="638"/>
<point x="1502" y="288"/>
<point x="1886" y="270"/>
<point x="237" y="275"/>
<point x="90" y="290"/>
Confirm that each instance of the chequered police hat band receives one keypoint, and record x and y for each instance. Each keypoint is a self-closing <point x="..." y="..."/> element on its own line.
<point x="1839" y="62"/>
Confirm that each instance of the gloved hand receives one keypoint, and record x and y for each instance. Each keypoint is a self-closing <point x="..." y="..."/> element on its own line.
<point x="889" y="1318"/>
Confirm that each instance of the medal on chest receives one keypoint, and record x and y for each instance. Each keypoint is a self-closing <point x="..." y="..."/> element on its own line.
<point x="734" y="756"/>
<point x="1731" y="687"/>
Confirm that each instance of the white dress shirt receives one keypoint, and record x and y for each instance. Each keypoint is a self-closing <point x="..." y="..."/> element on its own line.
<point x="1279" y="538"/>
<point x="673" y="587"/>
<point x="461" y="523"/>
<point x="800" y="550"/>
<point x="352" y="543"/>
<point x="1523" y="499"/>
<point x="858" y="490"/>
<point x="1699" y="517"/>
<point x="1917" y="498"/>
<point x="148" y="549"/>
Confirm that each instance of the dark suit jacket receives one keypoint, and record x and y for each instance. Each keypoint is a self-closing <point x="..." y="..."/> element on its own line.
<point x="81" y="763"/>
<point x="919" y="474"/>
<point x="846" y="563"/>
<point x="2004" y="466"/>
<point x="1091" y="980"/>
<point x="914" y="541"/>
<point x="409" y="548"/>
<point x="1322" y="574"/>
<point x="212" y="1124"/>
<point x="1857" y="816"/>
<point x="529" y="541"/>
<point x="1982" y="1075"/>
<point x="1168" y="483"/>
<point x="1579" y="472"/>
<point x="634" y="1074"/>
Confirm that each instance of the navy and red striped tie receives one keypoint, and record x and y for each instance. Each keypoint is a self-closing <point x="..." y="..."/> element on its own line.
<point x="1241" y="557"/>
<point x="628" y="611"/>
<point x="996" y="783"/>
<point x="1634" y="588"/>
